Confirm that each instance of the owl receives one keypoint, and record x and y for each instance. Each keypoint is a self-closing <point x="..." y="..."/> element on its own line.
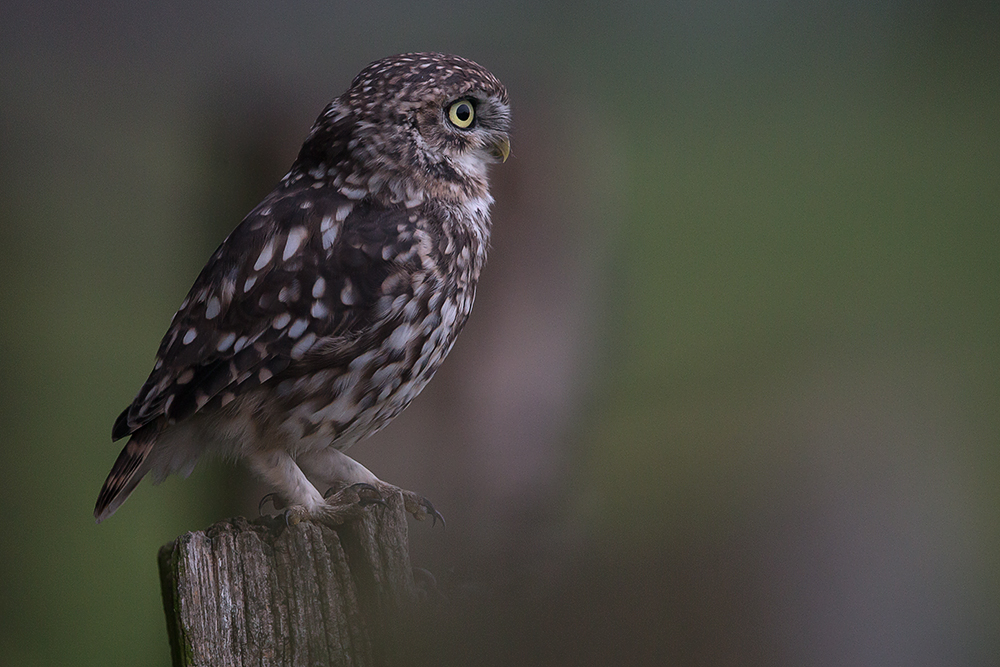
<point x="332" y="304"/>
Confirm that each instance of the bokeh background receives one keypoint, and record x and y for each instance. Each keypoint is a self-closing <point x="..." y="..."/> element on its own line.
<point x="731" y="391"/>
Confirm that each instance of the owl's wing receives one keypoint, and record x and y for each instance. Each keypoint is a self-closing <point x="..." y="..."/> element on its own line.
<point x="306" y="266"/>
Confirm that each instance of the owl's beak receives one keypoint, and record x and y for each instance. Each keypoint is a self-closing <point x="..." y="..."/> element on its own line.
<point x="501" y="149"/>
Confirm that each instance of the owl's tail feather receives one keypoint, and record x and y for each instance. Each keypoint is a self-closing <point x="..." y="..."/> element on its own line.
<point x="128" y="470"/>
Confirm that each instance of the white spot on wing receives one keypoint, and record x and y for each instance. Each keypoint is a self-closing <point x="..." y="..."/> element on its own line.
<point x="249" y="283"/>
<point x="330" y="236"/>
<point x="264" y="257"/>
<point x="212" y="308"/>
<point x="362" y="360"/>
<point x="191" y="334"/>
<point x="354" y="193"/>
<point x="295" y="238"/>
<point x="303" y="346"/>
<point x="226" y="342"/>
<point x="411" y="308"/>
<point x="281" y="321"/>
<point x="387" y="375"/>
<point x="399" y="337"/>
<point x="319" y="288"/>
<point x="448" y="312"/>
<point x="347" y="296"/>
<point x="340" y="410"/>
<point x="298" y="328"/>
<point x="227" y="291"/>
<point x="319" y="310"/>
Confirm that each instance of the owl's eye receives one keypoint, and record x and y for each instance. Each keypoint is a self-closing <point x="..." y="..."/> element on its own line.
<point x="461" y="113"/>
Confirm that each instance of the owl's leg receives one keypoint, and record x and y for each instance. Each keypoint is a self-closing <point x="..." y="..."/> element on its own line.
<point x="331" y="467"/>
<point x="280" y="471"/>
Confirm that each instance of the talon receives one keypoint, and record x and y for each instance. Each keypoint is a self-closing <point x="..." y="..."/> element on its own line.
<point x="263" y="501"/>
<point x="371" y="495"/>
<point x="365" y="486"/>
<point x="346" y="502"/>
<point x="421" y="508"/>
<point x="434" y="514"/>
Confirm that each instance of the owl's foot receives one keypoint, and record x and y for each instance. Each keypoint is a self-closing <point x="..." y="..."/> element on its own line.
<point x="340" y="506"/>
<point x="415" y="504"/>
<point x="420" y="507"/>
<point x="272" y="498"/>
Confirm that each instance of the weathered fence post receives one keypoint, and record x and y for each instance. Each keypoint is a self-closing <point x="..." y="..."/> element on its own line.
<point x="261" y="593"/>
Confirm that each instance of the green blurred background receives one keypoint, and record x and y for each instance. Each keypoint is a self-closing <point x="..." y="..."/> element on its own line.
<point x="730" y="393"/>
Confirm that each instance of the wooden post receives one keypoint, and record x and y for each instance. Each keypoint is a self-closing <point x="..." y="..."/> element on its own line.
<point x="262" y="593"/>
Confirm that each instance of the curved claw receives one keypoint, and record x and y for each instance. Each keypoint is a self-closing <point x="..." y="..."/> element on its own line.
<point x="434" y="514"/>
<point x="367" y="494"/>
<point x="364" y="502"/>
<point x="263" y="501"/>
<point x="371" y="495"/>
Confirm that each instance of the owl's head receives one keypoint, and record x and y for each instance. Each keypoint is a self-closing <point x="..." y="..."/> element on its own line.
<point x="433" y="120"/>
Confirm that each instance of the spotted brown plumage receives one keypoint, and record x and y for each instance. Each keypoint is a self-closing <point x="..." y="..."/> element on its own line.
<point x="332" y="304"/>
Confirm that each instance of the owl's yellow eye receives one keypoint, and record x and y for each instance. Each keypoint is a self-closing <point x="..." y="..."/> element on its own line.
<point x="461" y="113"/>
